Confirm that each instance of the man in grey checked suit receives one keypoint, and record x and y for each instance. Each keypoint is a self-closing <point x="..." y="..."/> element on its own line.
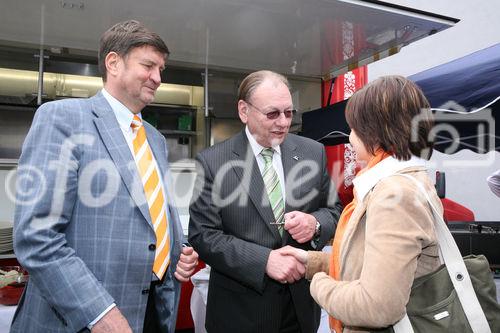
<point x="83" y="227"/>
<point x="236" y="224"/>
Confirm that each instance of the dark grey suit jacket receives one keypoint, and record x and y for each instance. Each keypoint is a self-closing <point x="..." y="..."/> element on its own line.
<point x="85" y="231"/>
<point x="230" y="228"/>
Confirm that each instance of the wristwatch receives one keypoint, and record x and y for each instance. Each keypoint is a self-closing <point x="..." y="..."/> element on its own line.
<point x="316" y="237"/>
<point x="317" y="231"/>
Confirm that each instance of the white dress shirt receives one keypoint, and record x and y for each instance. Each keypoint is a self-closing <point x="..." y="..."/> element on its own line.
<point x="124" y="117"/>
<point x="277" y="163"/>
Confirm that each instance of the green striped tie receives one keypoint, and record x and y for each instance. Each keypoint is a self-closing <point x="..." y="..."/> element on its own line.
<point x="273" y="187"/>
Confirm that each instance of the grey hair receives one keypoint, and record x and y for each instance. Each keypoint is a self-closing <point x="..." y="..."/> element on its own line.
<point x="253" y="80"/>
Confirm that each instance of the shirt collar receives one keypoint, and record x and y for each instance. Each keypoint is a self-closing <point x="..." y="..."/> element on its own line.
<point x="389" y="166"/>
<point x="256" y="147"/>
<point x="122" y="113"/>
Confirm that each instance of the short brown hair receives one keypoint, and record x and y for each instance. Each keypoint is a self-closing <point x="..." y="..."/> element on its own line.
<point x="123" y="37"/>
<point x="253" y="80"/>
<point x="392" y="113"/>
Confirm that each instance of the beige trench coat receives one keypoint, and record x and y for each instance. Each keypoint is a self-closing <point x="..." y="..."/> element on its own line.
<point x="389" y="241"/>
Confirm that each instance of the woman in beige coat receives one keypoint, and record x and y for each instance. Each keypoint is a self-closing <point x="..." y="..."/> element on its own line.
<point x="385" y="237"/>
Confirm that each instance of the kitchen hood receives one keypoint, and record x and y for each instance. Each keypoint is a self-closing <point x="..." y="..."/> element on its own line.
<point x="20" y="87"/>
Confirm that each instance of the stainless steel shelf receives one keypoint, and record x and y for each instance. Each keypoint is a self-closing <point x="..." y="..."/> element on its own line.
<point x="177" y="132"/>
<point x="8" y="162"/>
<point x="174" y="107"/>
<point x="7" y="256"/>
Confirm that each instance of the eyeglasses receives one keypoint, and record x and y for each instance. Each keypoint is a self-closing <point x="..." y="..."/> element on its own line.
<point x="274" y="114"/>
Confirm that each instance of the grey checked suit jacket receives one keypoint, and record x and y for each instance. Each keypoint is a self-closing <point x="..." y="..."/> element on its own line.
<point x="236" y="239"/>
<point x="82" y="226"/>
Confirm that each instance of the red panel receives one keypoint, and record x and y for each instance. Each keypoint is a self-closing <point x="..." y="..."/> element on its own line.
<point x="341" y="41"/>
<point x="9" y="262"/>
<point x="335" y="163"/>
<point x="339" y="88"/>
<point x="454" y="211"/>
<point x="336" y="154"/>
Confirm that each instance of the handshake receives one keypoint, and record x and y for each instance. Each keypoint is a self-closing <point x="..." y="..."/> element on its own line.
<point x="287" y="264"/>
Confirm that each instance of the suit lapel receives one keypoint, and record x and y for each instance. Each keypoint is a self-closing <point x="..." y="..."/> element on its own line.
<point x="254" y="187"/>
<point x="289" y="158"/>
<point x="112" y="137"/>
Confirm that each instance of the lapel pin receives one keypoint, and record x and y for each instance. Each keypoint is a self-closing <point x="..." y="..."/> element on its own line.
<point x="296" y="158"/>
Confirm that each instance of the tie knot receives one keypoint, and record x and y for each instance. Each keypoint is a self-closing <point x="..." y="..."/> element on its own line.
<point x="136" y="122"/>
<point x="267" y="154"/>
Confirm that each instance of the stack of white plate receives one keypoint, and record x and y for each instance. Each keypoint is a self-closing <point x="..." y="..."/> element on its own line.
<point x="6" y="237"/>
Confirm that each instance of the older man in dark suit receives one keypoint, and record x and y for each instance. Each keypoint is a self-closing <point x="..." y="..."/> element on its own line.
<point x="255" y="193"/>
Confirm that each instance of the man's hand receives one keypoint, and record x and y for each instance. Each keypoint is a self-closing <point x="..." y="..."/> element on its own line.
<point x="284" y="268"/>
<point x="300" y="226"/>
<point x="112" y="322"/>
<point x="186" y="265"/>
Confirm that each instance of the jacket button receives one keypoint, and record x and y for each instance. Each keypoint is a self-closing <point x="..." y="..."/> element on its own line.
<point x="152" y="247"/>
<point x="145" y="291"/>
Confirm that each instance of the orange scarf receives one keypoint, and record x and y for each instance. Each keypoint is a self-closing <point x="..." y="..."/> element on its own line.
<point x="339" y="233"/>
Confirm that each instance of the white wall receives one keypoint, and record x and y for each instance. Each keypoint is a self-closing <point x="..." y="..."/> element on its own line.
<point x="466" y="174"/>
<point x="7" y="194"/>
<point x="479" y="27"/>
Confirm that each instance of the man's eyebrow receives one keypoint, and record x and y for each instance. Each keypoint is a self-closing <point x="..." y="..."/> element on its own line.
<point x="152" y="62"/>
<point x="274" y="108"/>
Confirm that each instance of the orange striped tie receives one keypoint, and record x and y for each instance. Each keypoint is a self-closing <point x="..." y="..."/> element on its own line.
<point x="154" y="196"/>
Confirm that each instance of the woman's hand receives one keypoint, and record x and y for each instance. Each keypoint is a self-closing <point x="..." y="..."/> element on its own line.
<point x="299" y="254"/>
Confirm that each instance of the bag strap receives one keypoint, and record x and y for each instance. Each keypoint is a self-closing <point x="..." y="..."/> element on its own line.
<point x="457" y="271"/>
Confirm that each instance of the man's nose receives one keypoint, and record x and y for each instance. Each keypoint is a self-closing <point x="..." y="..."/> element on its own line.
<point x="156" y="76"/>
<point x="282" y="120"/>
